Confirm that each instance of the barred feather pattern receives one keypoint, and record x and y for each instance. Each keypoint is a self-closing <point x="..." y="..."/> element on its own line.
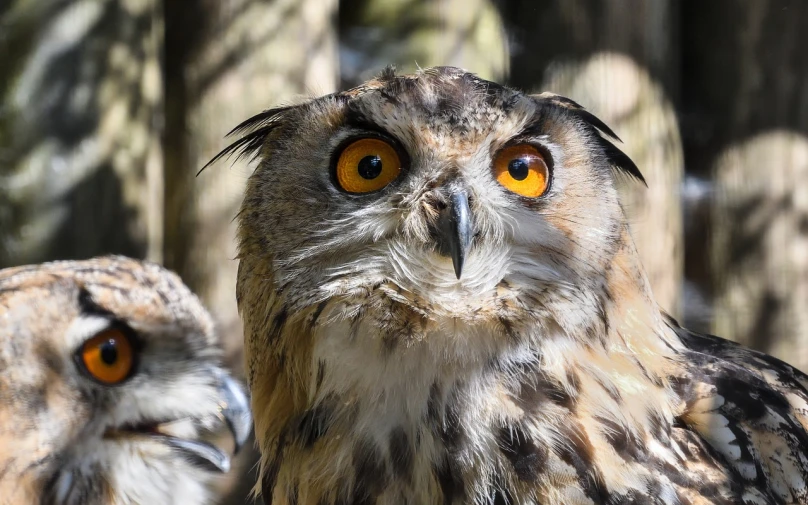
<point x="545" y="374"/>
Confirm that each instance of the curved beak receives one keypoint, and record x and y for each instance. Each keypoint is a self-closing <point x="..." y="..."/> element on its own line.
<point x="455" y="230"/>
<point x="234" y="407"/>
<point x="235" y="410"/>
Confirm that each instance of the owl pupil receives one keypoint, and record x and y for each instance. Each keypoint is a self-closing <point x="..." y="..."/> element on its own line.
<point x="370" y="167"/>
<point x="109" y="352"/>
<point x="518" y="169"/>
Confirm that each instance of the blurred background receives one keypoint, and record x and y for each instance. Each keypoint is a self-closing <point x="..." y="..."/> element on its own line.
<point x="108" y="108"/>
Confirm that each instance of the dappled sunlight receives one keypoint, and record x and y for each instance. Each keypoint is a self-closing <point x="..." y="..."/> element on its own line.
<point x="462" y="33"/>
<point x="83" y="105"/>
<point x="760" y="237"/>
<point x="109" y="109"/>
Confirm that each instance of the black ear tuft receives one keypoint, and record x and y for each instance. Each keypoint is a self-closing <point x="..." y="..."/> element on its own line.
<point x="257" y="130"/>
<point x="620" y="160"/>
<point x="616" y="157"/>
<point x="388" y="73"/>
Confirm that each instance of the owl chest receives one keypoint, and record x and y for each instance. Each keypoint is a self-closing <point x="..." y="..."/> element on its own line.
<point x="421" y="445"/>
<point x="454" y="418"/>
<point x="419" y="423"/>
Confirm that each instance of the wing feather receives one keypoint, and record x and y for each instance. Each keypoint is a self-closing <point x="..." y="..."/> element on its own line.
<point x="752" y="410"/>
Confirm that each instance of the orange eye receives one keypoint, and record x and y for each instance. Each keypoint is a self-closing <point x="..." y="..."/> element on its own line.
<point x="108" y="356"/>
<point x="367" y="165"/>
<point x="521" y="169"/>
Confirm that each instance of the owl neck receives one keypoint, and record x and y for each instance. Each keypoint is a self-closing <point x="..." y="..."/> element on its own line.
<point x="351" y="408"/>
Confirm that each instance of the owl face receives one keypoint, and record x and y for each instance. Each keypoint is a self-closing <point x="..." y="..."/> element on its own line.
<point x="439" y="190"/>
<point x="110" y="376"/>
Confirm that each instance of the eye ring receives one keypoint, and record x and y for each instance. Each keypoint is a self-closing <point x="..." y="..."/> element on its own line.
<point x="523" y="170"/>
<point x="367" y="164"/>
<point x="108" y="357"/>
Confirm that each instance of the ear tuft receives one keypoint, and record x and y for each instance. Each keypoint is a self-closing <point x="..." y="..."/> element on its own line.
<point x="602" y="133"/>
<point x="388" y="73"/>
<point x="257" y="129"/>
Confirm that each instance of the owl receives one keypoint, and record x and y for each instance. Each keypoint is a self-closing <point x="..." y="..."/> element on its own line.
<point x="443" y="305"/>
<point x="111" y="383"/>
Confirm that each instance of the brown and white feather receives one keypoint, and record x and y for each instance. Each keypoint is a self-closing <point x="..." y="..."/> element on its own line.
<point x="545" y="374"/>
<point x="66" y="439"/>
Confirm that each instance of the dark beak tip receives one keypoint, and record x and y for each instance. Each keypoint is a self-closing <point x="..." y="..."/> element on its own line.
<point x="456" y="231"/>
<point x="457" y="262"/>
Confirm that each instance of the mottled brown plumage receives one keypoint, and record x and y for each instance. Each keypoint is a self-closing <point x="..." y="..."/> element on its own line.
<point x="69" y="438"/>
<point x="444" y="340"/>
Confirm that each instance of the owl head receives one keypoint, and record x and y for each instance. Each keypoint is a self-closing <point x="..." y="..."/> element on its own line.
<point x="440" y="191"/>
<point x="111" y="383"/>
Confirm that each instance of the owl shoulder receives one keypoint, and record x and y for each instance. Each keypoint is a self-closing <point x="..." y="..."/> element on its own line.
<point x="751" y="409"/>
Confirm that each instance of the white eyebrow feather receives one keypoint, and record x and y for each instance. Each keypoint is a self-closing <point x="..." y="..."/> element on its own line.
<point x="84" y="327"/>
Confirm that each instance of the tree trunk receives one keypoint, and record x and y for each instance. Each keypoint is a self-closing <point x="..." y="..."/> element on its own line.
<point x="618" y="60"/>
<point x="80" y="109"/>
<point x="226" y="61"/>
<point x="413" y="33"/>
<point x="748" y="100"/>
